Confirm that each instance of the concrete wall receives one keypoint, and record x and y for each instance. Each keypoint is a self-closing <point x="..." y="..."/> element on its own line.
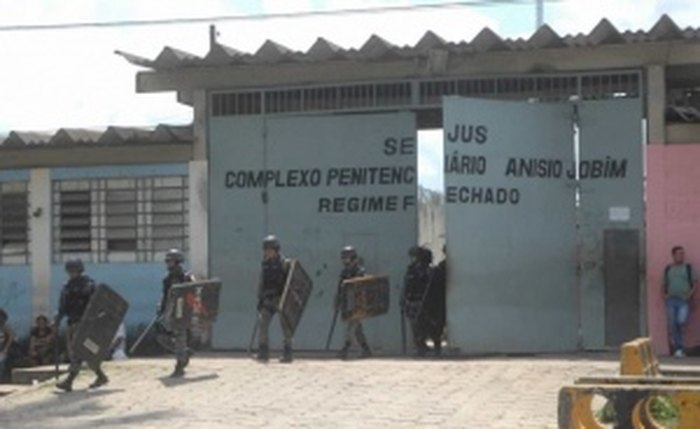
<point x="673" y="218"/>
<point x="16" y="296"/>
<point x="16" y="280"/>
<point x="30" y="290"/>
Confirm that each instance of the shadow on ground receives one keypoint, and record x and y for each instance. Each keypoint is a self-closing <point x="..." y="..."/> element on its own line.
<point x="174" y="382"/>
<point x="82" y="407"/>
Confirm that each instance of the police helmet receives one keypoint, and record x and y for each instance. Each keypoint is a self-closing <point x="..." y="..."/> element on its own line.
<point x="271" y="242"/>
<point x="348" y="252"/>
<point x="175" y="255"/>
<point x="74" y="265"/>
<point x="425" y="255"/>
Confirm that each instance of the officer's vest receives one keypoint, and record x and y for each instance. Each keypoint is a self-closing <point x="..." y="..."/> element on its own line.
<point x="77" y="296"/>
<point x="274" y="275"/>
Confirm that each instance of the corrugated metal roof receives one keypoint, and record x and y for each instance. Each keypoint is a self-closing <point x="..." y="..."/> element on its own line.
<point x="110" y="136"/>
<point x="376" y="48"/>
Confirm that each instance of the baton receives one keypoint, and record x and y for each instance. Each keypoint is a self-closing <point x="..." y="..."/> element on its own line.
<point x="56" y="344"/>
<point x="402" y="313"/>
<point x="143" y="335"/>
<point x="255" y="331"/>
<point x="330" y="333"/>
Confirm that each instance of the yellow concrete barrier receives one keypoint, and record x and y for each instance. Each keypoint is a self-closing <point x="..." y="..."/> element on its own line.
<point x="631" y="405"/>
<point x="637" y="357"/>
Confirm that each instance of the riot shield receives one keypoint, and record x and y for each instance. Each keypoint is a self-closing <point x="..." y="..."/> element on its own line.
<point x="98" y="326"/>
<point x="192" y="303"/>
<point x="364" y="297"/>
<point x="296" y="293"/>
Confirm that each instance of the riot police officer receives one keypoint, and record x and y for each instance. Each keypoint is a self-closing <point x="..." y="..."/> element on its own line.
<point x="74" y="299"/>
<point x="174" y="339"/>
<point x="416" y="285"/>
<point x="353" y="330"/>
<point x="435" y="304"/>
<point x="275" y="269"/>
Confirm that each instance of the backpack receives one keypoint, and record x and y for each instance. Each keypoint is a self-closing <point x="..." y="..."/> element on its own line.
<point x="688" y="272"/>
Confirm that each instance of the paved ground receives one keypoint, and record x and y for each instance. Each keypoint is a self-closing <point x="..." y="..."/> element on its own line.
<point x="225" y="391"/>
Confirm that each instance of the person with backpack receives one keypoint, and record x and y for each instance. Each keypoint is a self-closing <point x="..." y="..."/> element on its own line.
<point x="680" y="282"/>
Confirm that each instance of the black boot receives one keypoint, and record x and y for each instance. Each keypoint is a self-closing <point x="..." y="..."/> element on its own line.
<point x="287" y="355"/>
<point x="188" y="355"/>
<point x="263" y="353"/>
<point x="179" y="371"/>
<point x="343" y="353"/>
<point x="421" y="348"/>
<point x="366" y="352"/>
<point x="437" y="348"/>
<point x="67" y="384"/>
<point x="101" y="380"/>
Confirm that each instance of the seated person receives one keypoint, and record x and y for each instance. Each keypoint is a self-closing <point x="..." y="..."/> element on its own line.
<point x="41" y="342"/>
<point x="7" y="338"/>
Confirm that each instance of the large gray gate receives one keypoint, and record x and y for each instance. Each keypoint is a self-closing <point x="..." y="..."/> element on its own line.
<point x="319" y="183"/>
<point x="525" y="247"/>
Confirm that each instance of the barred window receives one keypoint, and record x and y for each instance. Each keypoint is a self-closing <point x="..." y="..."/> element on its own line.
<point x="74" y="213"/>
<point x="130" y="219"/>
<point x="121" y="215"/>
<point x="14" y="223"/>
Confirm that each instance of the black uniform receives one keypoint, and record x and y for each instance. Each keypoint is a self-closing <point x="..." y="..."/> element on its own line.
<point x="353" y="330"/>
<point x="416" y="285"/>
<point x="435" y="305"/>
<point x="175" y="339"/>
<point x="75" y="296"/>
<point x="272" y="280"/>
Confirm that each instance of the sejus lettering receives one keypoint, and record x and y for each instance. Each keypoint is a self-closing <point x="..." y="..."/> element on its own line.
<point x="462" y="133"/>
<point x="467" y="165"/>
<point x="479" y="195"/>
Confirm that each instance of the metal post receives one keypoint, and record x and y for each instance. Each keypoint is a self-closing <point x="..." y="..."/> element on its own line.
<point x="212" y="36"/>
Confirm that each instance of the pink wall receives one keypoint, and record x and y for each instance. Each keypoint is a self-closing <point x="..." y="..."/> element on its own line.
<point x="673" y="218"/>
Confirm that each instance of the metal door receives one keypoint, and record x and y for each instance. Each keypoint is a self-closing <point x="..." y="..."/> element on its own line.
<point x="510" y="220"/>
<point x="622" y="294"/>
<point x="326" y="179"/>
<point x="611" y="197"/>
<point x="236" y="224"/>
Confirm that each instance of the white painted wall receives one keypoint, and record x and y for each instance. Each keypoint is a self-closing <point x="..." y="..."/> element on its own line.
<point x="40" y="239"/>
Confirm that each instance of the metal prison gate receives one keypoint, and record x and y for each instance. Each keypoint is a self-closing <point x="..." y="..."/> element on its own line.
<point x="521" y="277"/>
<point x="528" y="211"/>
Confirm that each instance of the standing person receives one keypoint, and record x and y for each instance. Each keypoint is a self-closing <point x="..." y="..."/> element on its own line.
<point x="275" y="270"/>
<point x="680" y="282"/>
<point x="416" y="285"/>
<point x="435" y="305"/>
<point x="176" y="338"/>
<point x="41" y="342"/>
<point x="7" y="337"/>
<point x="75" y="296"/>
<point x="353" y="330"/>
